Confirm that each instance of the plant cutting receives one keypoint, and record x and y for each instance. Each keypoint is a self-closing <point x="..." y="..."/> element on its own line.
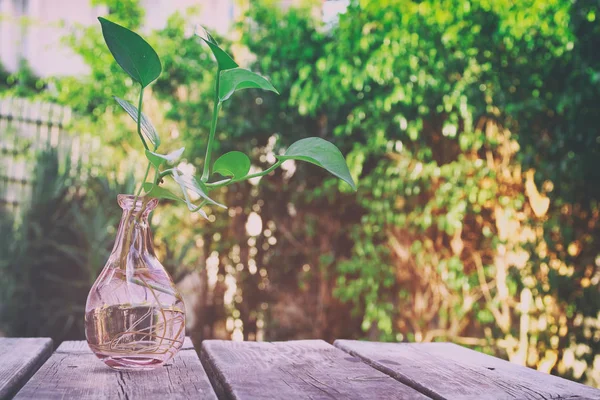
<point x="135" y="317"/>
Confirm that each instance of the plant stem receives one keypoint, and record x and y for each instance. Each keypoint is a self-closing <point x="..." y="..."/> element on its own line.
<point x="157" y="178"/>
<point x="127" y="239"/>
<point x="164" y="173"/>
<point x="213" y="129"/>
<point x="218" y="183"/>
<point x="139" y="118"/>
<point x="143" y="180"/>
<point x="262" y="173"/>
<point x="256" y="175"/>
<point x="202" y="204"/>
<point x="125" y="249"/>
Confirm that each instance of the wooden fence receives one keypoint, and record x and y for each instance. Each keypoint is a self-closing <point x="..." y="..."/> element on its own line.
<point x="27" y="127"/>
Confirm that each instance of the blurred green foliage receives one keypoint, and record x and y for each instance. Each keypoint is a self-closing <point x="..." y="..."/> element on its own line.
<point x="53" y="251"/>
<point x="470" y="125"/>
<point x="22" y="83"/>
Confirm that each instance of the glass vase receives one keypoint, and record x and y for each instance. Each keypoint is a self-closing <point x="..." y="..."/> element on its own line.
<point x="134" y="315"/>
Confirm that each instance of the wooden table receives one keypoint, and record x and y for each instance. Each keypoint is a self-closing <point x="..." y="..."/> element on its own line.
<point x="305" y="369"/>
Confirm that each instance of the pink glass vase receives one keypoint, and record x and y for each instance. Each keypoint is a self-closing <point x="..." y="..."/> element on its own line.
<point x="134" y="316"/>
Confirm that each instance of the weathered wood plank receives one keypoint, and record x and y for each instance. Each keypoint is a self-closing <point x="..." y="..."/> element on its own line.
<point x="19" y="359"/>
<point x="73" y="372"/>
<point x="294" y="370"/>
<point x="449" y="371"/>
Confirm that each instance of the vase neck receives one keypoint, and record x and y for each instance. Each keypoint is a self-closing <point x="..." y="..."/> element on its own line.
<point x="134" y="236"/>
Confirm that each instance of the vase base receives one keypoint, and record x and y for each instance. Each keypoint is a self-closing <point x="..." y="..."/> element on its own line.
<point x="132" y="363"/>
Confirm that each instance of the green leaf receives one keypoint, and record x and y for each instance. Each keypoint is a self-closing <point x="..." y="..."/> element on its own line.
<point x="234" y="164"/>
<point x="157" y="192"/>
<point x="189" y="182"/>
<point x="322" y="153"/>
<point x="158" y="159"/>
<point x="224" y="60"/>
<point x="131" y="52"/>
<point x="146" y="126"/>
<point x="240" y="78"/>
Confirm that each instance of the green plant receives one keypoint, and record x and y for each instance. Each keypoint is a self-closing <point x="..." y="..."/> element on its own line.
<point x="139" y="60"/>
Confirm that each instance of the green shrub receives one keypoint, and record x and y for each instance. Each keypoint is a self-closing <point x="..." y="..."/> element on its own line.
<point x="55" y="249"/>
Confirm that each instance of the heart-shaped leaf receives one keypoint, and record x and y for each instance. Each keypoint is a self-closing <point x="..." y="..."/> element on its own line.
<point x="160" y="193"/>
<point x="224" y="60"/>
<point x="189" y="182"/>
<point x="145" y="125"/>
<point x="158" y="159"/>
<point x="240" y="78"/>
<point x="131" y="52"/>
<point x="234" y="164"/>
<point x="322" y="153"/>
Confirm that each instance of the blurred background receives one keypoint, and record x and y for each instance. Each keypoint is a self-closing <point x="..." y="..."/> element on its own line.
<point x="470" y="125"/>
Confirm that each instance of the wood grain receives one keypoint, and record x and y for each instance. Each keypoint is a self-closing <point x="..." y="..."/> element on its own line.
<point x="73" y="372"/>
<point x="303" y="369"/>
<point x="449" y="371"/>
<point x="19" y="359"/>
